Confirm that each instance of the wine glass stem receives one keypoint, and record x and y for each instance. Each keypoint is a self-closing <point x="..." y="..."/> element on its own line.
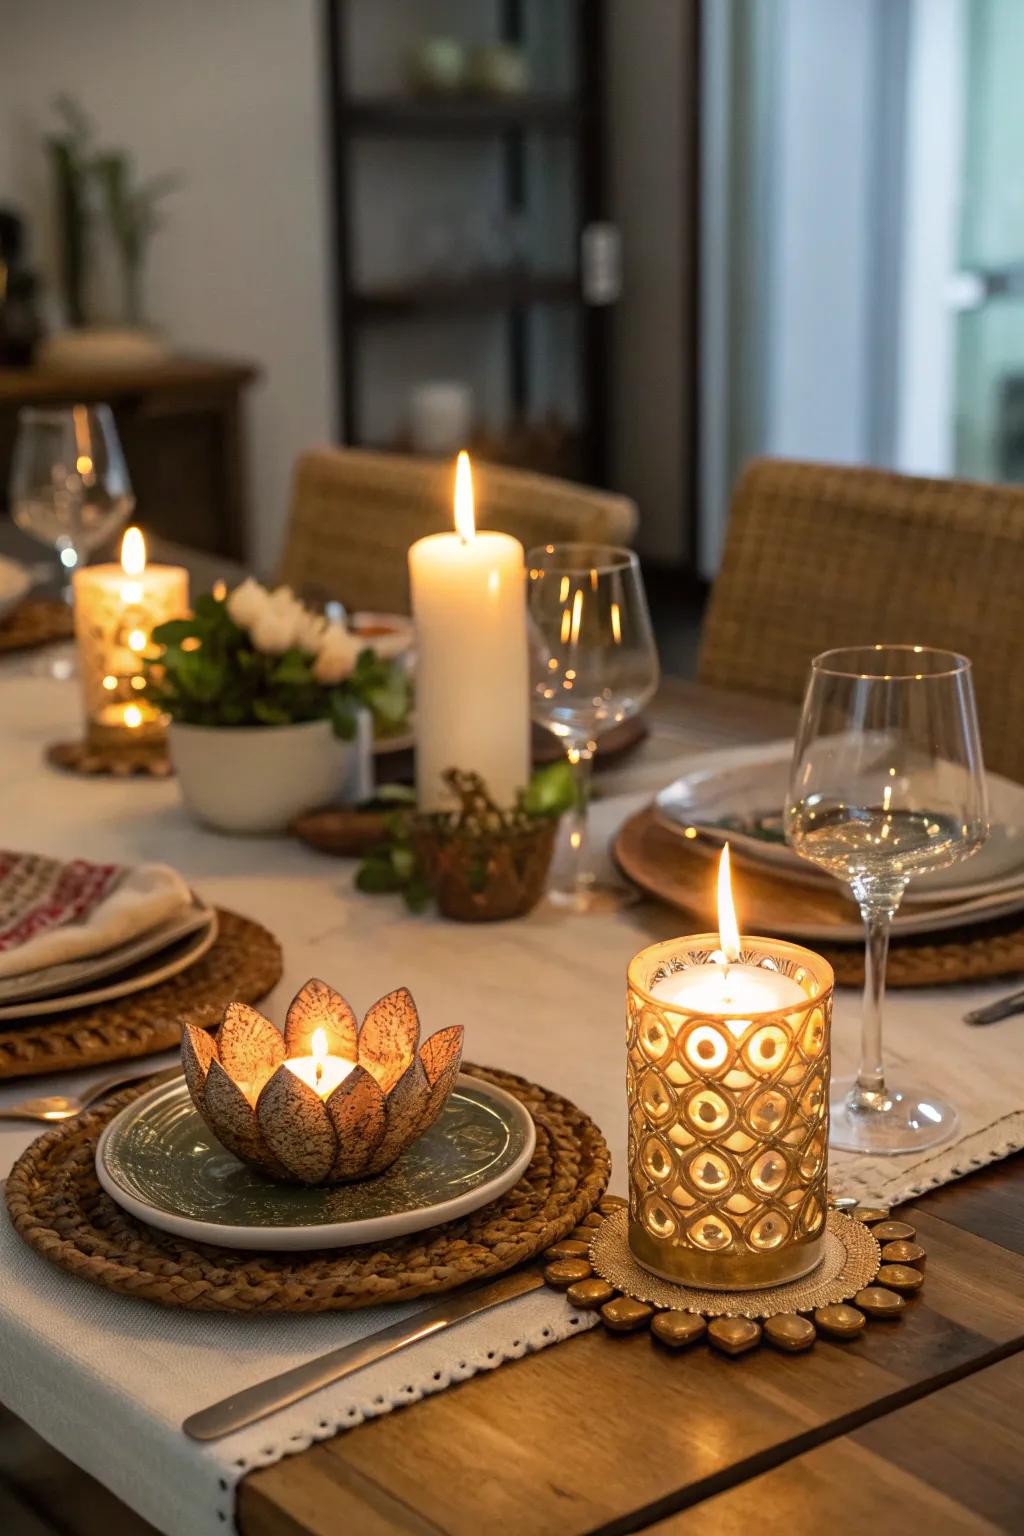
<point x="581" y="761"/>
<point x="869" y="1092"/>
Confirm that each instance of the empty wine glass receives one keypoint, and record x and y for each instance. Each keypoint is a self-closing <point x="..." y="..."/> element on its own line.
<point x="887" y="783"/>
<point x="594" y="663"/>
<point x="69" y="483"/>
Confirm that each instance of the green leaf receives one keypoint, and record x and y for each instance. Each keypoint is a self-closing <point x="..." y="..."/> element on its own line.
<point x="270" y="714"/>
<point x="376" y="876"/>
<point x="174" y="631"/>
<point x="395" y="794"/>
<point x="403" y="862"/>
<point x="418" y="894"/>
<point x="293" y="669"/>
<point x="551" y="791"/>
<point x="344" y="715"/>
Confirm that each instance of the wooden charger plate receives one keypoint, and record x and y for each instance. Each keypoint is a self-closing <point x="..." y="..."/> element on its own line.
<point x="659" y="862"/>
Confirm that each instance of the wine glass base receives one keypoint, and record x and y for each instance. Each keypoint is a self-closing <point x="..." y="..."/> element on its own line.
<point x="904" y="1119"/>
<point x="599" y="896"/>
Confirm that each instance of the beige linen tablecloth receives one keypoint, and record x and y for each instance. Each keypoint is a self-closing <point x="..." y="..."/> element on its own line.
<point x="107" y="1379"/>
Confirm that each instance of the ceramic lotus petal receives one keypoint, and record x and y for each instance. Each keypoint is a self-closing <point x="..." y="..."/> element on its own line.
<point x="270" y="1117"/>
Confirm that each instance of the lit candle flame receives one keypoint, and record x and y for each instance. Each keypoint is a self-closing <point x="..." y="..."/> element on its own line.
<point x="133" y="552"/>
<point x="318" y="1046"/>
<point x="728" y="928"/>
<point x="465" y="517"/>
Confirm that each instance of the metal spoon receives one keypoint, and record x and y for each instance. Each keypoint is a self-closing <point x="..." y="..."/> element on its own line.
<point x="57" y="1106"/>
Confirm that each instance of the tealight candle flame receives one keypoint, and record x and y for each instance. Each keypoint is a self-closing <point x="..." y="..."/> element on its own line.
<point x="133" y="552"/>
<point x="728" y="928"/>
<point x="318" y="1047"/>
<point x="465" y="516"/>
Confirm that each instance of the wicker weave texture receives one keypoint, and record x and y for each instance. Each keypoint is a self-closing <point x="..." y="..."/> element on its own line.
<point x="58" y="1207"/>
<point x="354" y="515"/>
<point x="38" y="621"/>
<point x="243" y="962"/>
<point x="821" y="555"/>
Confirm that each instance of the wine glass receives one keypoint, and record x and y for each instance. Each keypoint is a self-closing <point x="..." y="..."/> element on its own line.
<point x="887" y="783"/>
<point x="594" y="663"/>
<point x="69" y="483"/>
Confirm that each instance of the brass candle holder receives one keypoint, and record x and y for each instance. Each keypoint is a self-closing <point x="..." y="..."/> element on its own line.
<point x="728" y="1113"/>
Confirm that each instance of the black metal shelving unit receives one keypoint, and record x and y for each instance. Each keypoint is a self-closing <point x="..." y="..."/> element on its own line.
<point x="576" y="117"/>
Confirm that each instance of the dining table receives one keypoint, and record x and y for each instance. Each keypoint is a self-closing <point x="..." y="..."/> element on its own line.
<point x="916" y="1421"/>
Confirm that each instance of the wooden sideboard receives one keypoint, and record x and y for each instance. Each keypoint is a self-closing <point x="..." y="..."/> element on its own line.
<point x="181" y="424"/>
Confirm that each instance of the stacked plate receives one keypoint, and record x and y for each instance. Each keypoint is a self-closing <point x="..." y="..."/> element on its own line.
<point x="737" y="795"/>
<point x="143" y="961"/>
<point x="159" y="1160"/>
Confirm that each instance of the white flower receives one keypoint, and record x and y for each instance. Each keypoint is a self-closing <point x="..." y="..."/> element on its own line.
<point x="247" y="601"/>
<point x="275" y="628"/>
<point x="310" y="631"/>
<point x="337" y="655"/>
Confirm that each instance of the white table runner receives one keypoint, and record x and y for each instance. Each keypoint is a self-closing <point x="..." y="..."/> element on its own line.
<point x="108" y="1380"/>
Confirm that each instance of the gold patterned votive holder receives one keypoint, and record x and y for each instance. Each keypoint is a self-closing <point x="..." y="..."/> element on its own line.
<point x="728" y="1122"/>
<point x="115" y="615"/>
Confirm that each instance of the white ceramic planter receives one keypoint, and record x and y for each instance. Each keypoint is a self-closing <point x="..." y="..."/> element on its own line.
<point x="257" y="778"/>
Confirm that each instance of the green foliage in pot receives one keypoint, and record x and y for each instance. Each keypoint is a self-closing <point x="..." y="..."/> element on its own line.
<point x="261" y="658"/>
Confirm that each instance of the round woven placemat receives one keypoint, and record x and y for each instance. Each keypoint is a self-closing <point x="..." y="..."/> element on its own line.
<point x="58" y="1207"/>
<point x="656" y="860"/>
<point x="851" y="1261"/>
<point x="36" y="622"/>
<point x="244" y="962"/>
<point x="149" y="758"/>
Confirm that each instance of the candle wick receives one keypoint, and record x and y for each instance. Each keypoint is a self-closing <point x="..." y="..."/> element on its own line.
<point x="319" y="1073"/>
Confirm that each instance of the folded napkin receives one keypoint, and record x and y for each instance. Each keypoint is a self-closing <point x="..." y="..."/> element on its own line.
<point x="52" y="912"/>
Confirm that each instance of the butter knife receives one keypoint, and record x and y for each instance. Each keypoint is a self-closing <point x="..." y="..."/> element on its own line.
<point x="255" y="1403"/>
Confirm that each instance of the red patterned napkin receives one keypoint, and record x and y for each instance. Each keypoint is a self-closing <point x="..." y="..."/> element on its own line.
<point x="51" y="912"/>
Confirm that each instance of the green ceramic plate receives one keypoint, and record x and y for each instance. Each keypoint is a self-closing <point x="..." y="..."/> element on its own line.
<point x="159" y="1161"/>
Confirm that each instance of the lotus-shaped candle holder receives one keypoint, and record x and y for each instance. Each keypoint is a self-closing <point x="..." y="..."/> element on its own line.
<point x="329" y="1101"/>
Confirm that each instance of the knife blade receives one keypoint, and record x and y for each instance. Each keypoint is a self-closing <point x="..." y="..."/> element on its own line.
<point x="266" y="1397"/>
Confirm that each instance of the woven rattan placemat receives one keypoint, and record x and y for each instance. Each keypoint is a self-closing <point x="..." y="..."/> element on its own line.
<point x="36" y="622"/>
<point x="656" y="860"/>
<point x="244" y="962"/>
<point x="58" y="1207"/>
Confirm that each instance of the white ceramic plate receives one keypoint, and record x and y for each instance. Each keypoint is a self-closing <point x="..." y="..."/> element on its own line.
<point x="76" y="975"/>
<point x="737" y="794"/>
<point x="14" y="584"/>
<point x="159" y="1160"/>
<point x="145" y="973"/>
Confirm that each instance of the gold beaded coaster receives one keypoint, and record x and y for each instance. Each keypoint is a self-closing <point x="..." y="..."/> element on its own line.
<point x="853" y="1282"/>
<point x="120" y="762"/>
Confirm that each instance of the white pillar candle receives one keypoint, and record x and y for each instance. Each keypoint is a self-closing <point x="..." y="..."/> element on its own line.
<point x="472" y="667"/>
<point x="117" y="607"/>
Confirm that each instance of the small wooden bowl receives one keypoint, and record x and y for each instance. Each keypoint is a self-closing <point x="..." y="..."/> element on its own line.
<point x="347" y="834"/>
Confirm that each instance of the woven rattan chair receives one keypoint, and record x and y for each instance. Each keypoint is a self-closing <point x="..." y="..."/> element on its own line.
<point x="354" y="515"/>
<point x="819" y="555"/>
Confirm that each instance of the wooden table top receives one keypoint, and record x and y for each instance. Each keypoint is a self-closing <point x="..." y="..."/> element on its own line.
<point x="602" y="1435"/>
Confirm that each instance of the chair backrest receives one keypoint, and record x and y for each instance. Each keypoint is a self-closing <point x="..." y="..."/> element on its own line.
<point x="820" y="555"/>
<point x="355" y="513"/>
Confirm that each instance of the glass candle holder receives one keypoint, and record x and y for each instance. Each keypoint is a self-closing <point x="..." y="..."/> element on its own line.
<point x="115" y="615"/>
<point x="728" y="1120"/>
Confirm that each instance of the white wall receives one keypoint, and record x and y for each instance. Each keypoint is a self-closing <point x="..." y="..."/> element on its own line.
<point x="229" y="93"/>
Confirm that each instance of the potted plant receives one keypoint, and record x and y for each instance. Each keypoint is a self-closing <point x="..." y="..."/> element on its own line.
<point x="272" y="708"/>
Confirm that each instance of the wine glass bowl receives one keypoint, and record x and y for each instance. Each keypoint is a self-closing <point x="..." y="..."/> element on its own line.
<point x="594" y="664"/>
<point x="69" y="484"/>
<point x="887" y="783"/>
